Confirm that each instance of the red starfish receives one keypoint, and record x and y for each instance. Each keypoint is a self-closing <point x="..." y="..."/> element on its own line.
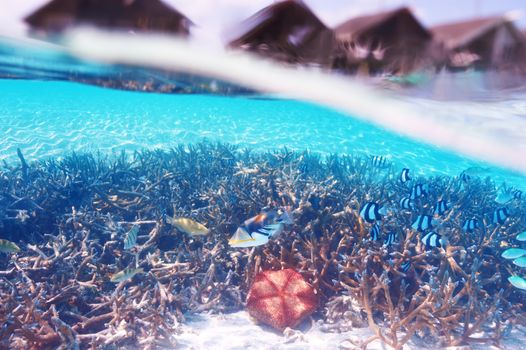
<point x="281" y="298"/>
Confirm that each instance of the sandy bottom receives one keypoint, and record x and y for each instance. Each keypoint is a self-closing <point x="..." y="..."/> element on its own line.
<point x="236" y="331"/>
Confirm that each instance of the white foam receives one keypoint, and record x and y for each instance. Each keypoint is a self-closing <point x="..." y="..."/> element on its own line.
<point x="465" y="130"/>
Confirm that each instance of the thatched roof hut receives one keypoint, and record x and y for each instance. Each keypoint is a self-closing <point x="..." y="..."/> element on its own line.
<point x="492" y="42"/>
<point x="393" y="41"/>
<point x="137" y="15"/>
<point x="287" y="31"/>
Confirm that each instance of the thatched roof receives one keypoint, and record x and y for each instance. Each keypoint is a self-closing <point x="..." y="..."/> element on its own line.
<point x="139" y="15"/>
<point x="495" y="40"/>
<point x="459" y="34"/>
<point x="287" y="30"/>
<point x="389" y="41"/>
<point x="357" y="27"/>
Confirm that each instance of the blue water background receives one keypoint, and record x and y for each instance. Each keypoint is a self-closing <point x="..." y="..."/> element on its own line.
<point x="50" y="118"/>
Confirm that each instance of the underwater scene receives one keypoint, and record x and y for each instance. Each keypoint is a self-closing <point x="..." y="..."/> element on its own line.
<point x="217" y="215"/>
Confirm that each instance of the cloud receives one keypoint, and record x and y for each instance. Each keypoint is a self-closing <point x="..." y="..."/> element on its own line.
<point x="12" y="12"/>
<point x="214" y="18"/>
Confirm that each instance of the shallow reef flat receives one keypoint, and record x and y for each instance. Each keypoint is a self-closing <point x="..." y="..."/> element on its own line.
<point x="73" y="216"/>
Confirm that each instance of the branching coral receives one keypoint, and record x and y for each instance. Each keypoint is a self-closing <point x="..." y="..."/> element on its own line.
<point x="57" y="290"/>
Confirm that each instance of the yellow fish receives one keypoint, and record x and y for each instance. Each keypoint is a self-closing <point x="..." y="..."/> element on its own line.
<point x="125" y="274"/>
<point x="8" y="246"/>
<point x="188" y="226"/>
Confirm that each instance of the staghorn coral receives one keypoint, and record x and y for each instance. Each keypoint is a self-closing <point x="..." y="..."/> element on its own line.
<point x="56" y="291"/>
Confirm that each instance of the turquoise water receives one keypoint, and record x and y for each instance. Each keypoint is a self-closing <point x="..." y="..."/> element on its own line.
<point x="96" y="203"/>
<point x="50" y="118"/>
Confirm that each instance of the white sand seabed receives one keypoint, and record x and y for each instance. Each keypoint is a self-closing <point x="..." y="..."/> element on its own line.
<point x="236" y="331"/>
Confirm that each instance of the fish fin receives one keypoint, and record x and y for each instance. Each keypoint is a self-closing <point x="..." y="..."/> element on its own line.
<point x="264" y="232"/>
<point x="270" y="230"/>
<point x="240" y="236"/>
<point x="286" y="217"/>
<point x="260" y="217"/>
<point x="383" y="210"/>
<point x="272" y="226"/>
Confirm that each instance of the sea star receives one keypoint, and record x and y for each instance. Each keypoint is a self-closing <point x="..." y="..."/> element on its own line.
<point x="281" y="298"/>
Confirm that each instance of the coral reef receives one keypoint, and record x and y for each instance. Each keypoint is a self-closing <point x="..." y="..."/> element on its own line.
<point x="70" y="217"/>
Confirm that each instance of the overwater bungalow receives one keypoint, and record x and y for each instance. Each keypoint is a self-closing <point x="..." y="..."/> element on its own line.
<point x="287" y="31"/>
<point x="390" y="41"/>
<point x="492" y="42"/>
<point x="130" y="15"/>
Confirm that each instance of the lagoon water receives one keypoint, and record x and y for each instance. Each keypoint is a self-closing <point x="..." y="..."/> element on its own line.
<point x="52" y="118"/>
<point x="48" y="118"/>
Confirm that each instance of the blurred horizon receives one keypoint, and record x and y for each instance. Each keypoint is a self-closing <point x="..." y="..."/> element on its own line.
<point x="215" y="20"/>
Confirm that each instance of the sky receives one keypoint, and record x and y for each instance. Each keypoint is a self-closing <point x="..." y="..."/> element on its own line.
<point x="215" y="19"/>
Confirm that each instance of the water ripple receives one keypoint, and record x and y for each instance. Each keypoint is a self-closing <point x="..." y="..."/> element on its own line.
<point x="47" y="119"/>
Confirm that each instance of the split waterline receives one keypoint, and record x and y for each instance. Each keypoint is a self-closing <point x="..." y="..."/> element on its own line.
<point x="94" y="179"/>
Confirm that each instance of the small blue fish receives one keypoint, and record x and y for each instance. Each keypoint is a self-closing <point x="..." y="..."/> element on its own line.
<point x="465" y="177"/>
<point x="404" y="175"/>
<point x="513" y="253"/>
<point x="375" y="232"/>
<point x="372" y="211"/>
<point x="391" y="236"/>
<point x="380" y="162"/>
<point x="470" y="225"/>
<point x="521" y="237"/>
<point x="517" y="194"/>
<point x="405" y="266"/>
<point x="520" y="262"/>
<point x="419" y="190"/>
<point x="406" y="203"/>
<point x="424" y="222"/>
<point x="500" y="215"/>
<point x="441" y="207"/>
<point x="433" y="239"/>
<point x="517" y="282"/>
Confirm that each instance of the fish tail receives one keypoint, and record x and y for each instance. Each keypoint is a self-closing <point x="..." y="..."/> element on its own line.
<point x="286" y="217"/>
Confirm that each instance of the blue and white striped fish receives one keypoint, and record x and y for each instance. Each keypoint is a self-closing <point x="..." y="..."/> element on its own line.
<point x="391" y="236"/>
<point x="419" y="190"/>
<point x="470" y="225"/>
<point x="441" y="207"/>
<point x="405" y="266"/>
<point x="372" y="211"/>
<point x="380" y="162"/>
<point x="517" y="194"/>
<point x="500" y="215"/>
<point x="433" y="239"/>
<point x="424" y="222"/>
<point x="406" y="203"/>
<point x="375" y="232"/>
<point x="404" y="175"/>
